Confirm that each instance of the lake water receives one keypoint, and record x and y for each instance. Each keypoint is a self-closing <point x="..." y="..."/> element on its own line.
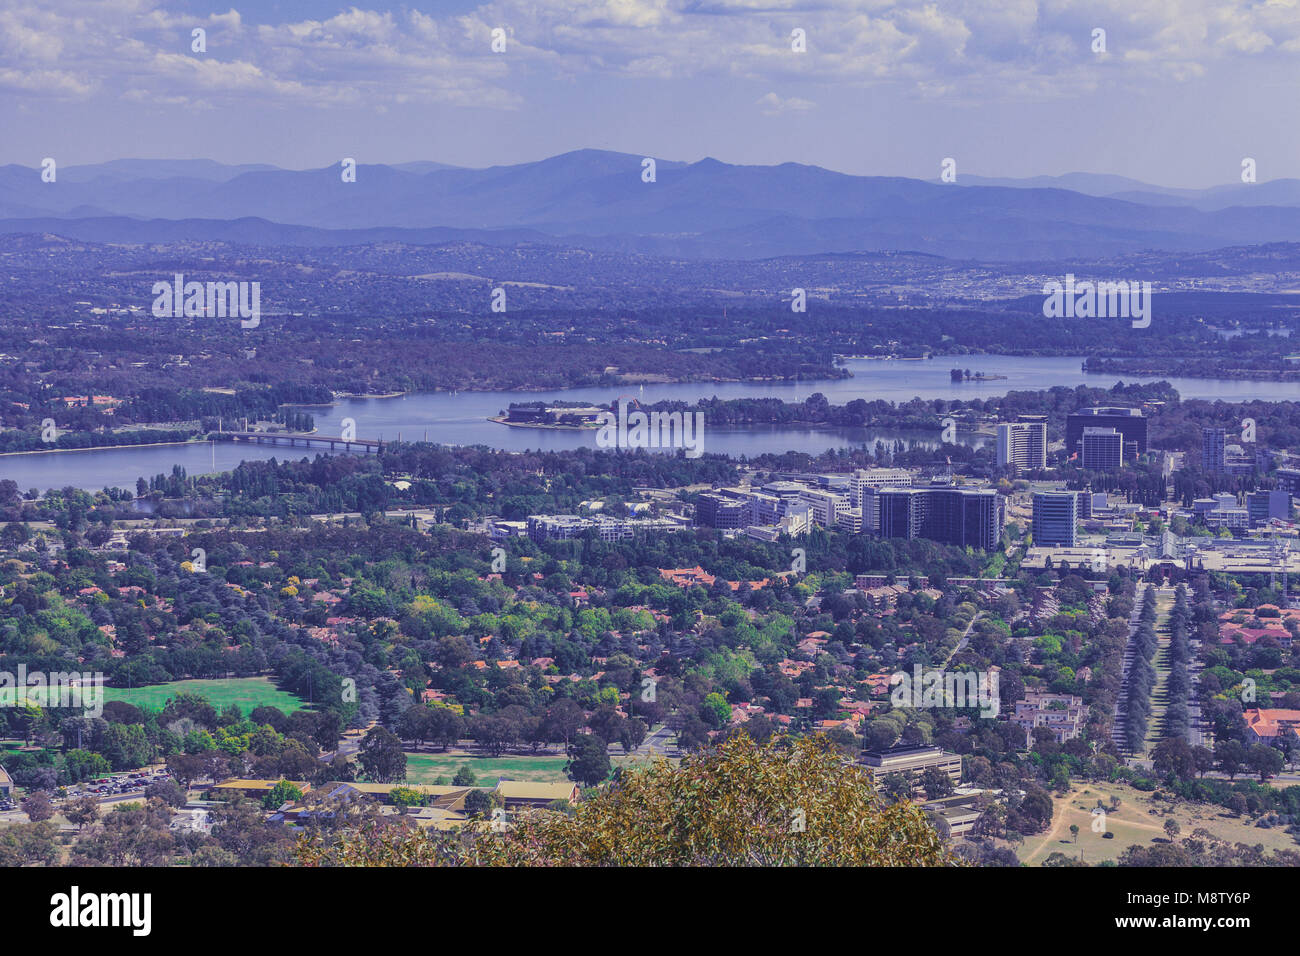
<point x="461" y="418"/>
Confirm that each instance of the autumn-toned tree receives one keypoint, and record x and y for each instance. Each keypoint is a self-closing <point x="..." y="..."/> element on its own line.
<point x="37" y="806"/>
<point x="82" y="811"/>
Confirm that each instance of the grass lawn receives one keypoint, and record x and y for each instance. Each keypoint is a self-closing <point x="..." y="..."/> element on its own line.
<point x="246" y="693"/>
<point x="1133" y="823"/>
<point x="426" y="768"/>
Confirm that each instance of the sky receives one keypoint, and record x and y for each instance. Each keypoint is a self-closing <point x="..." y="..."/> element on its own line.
<point x="1184" y="90"/>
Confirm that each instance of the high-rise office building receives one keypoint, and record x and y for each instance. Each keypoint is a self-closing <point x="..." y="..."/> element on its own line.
<point x="863" y="487"/>
<point x="960" y="516"/>
<point x="1288" y="479"/>
<point x="1263" y="506"/>
<point x="1056" y="514"/>
<point x="1213" y="450"/>
<point x="1022" y="444"/>
<point x="721" y="511"/>
<point x="1129" y="422"/>
<point x="1101" y="449"/>
<point x="826" y="506"/>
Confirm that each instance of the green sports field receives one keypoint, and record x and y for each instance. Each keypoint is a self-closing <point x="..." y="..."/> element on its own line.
<point x="425" y="768"/>
<point x="246" y="693"/>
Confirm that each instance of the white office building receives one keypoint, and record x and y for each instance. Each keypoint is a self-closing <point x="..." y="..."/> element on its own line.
<point x="1023" y="444"/>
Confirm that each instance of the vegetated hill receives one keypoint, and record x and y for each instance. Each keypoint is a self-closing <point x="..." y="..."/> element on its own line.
<point x="597" y="199"/>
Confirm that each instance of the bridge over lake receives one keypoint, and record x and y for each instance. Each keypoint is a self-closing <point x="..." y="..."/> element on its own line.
<point x="305" y="439"/>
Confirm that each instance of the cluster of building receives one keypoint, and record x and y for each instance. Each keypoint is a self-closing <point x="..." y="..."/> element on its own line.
<point x="1063" y="714"/>
<point x="889" y="502"/>
<point x="1102" y="439"/>
<point x="1226" y="511"/>
<point x="606" y="527"/>
<point x="1058" y="514"/>
<point x="1219" y="456"/>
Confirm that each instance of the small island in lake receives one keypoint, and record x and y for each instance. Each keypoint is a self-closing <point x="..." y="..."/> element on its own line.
<point x="966" y="375"/>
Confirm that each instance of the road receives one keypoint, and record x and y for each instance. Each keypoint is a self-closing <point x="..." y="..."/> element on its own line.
<point x="965" y="638"/>
<point x="660" y="742"/>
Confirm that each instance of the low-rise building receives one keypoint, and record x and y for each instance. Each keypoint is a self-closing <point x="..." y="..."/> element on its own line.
<point x="1063" y="714"/>
<point x="910" y="761"/>
<point x="519" y="794"/>
<point x="1266" y="725"/>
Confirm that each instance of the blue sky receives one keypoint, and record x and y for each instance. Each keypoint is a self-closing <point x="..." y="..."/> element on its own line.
<point x="1184" y="90"/>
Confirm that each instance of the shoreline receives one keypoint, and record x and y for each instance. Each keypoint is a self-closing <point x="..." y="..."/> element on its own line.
<point x="146" y="444"/>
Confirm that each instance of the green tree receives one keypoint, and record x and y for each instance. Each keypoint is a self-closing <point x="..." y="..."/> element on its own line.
<point x="589" y="762"/>
<point x="381" y="756"/>
<point x="282" y="793"/>
<point x="936" y="783"/>
<point x="478" y="803"/>
<point x="715" y="711"/>
<point x="406" y="797"/>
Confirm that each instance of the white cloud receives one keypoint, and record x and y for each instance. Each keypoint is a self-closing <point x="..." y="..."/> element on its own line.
<point x="378" y="56"/>
<point x="773" y="105"/>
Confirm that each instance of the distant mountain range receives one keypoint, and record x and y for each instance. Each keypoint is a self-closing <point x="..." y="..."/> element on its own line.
<point x="597" y="199"/>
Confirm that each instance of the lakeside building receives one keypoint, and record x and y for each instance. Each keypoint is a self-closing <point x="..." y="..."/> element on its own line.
<point x="541" y="413"/>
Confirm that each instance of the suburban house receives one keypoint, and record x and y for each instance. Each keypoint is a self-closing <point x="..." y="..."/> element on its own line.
<point x="1266" y="724"/>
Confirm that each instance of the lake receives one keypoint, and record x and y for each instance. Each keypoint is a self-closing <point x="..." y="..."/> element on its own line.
<point x="461" y="418"/>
